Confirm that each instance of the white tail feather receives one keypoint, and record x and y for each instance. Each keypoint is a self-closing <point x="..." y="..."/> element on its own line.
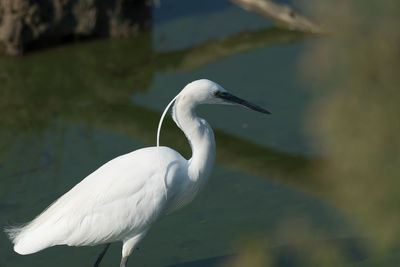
<point x="41" y="232"/>
<point x="25" y="240"/>
<point x="13" y="232"/>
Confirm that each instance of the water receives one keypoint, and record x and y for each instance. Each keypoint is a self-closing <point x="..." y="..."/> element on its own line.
<point x="68" y="110"/>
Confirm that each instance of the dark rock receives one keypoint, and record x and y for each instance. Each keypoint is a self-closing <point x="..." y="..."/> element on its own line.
<point x="27" y="24"/>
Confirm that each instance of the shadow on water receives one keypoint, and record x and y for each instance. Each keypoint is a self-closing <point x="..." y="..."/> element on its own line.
<point x="211" y="262"/>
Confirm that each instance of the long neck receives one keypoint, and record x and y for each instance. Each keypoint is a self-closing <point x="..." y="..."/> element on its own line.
<point x="200" y="136"/>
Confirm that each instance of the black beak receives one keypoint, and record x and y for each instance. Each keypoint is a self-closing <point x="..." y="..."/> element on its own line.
<point x="236" y="100"/>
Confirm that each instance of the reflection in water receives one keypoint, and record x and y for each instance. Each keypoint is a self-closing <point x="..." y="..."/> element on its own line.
<point x="238" y="43"/>
<point x="61" y="82"/>
<point x="64" y="82"/>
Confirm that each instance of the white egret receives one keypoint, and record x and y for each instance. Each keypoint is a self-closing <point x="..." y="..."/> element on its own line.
<point x="124" y="197"/>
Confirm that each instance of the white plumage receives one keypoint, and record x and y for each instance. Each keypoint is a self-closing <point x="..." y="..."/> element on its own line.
<point x="125" y="196"/>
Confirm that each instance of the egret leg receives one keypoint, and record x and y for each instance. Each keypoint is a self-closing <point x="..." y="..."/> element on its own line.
<point x="129" y="244"/>
<point x="124" y="261"/>
<point x="100" y="257"/>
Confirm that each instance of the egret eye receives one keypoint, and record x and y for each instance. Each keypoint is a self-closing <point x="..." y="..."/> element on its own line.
<point x="217" y="93"/>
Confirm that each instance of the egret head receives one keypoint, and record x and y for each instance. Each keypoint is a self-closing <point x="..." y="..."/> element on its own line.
<point x="208" y="92"/>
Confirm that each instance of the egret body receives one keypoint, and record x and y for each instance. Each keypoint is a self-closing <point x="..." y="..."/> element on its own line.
<point x="124" y="197"/>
